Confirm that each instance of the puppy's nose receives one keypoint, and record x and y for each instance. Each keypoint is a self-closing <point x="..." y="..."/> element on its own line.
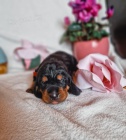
<point x="54" y="95"/>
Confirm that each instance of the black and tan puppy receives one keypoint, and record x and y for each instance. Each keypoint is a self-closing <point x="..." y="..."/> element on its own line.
<point x="53" y="79"/>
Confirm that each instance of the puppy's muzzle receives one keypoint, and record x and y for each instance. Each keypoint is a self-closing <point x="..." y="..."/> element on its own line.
<point x="53" y="92"/>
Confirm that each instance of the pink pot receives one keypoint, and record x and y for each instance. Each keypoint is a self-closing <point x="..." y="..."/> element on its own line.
<point x="83" y="48"/>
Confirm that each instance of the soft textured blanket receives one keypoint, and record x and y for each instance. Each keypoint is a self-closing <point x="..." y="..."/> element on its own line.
<point x="90" y="116"/>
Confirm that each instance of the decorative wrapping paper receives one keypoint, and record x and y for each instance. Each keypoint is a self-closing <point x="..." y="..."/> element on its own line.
<point x="30" y="54"/>
<point x="98" y="72"/>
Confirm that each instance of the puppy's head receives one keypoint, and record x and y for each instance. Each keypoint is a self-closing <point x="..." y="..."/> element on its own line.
<point x="53" y="83"/>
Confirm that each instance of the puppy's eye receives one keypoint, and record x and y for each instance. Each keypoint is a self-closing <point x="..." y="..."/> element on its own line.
<point x="44" y="79"/>
<point x="59" y="77"/>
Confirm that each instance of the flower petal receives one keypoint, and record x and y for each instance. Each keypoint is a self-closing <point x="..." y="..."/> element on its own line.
<point x="123" y="81"/>
<point x="98" y="71"/>
<point x="115" y="78"/>
<point x="90" y="59"/>
<point x="105" y="71"/>
<point x="91" y="2"/>
<point x="67" y="21"/>
<point x="101" y="73"/>
<point x="113" y="66"/>
<point x="81" y="81"/>
<point x="84" y="16"/>
<point x="86" y="79"/>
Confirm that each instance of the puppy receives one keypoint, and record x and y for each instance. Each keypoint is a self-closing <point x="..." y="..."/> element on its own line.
<point x="53" y="79"/>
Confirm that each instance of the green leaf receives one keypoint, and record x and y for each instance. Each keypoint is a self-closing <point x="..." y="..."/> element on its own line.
<point x="88" y="37"/>
<point x="81" y="33"/>
<point x="74" y="27"/>
<point x="104" y="33"/>
<point x="35" y="62"/>
<point x="64" y="38"/>
<point x="90" y="31"/>
<point x="89" y="25"/>
<point x="97" y="35"/>
<point x="84" y="33"/>
<point x="74" y="34"/>
<point x="77" y="34"/>
<point x="72" y="38"/>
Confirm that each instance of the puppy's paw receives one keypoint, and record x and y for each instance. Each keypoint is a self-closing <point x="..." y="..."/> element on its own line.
<point x="77" y="91"/>
<point x="74" y="89"/>
<point x="29" y="90"/>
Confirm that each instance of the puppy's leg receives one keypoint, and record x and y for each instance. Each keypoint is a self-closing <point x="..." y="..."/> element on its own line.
<point x="31" y="89"/>
<point x="73" y="88"/>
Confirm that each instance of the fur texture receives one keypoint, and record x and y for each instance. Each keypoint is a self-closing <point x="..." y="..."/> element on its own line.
<point x="54" y="78"/>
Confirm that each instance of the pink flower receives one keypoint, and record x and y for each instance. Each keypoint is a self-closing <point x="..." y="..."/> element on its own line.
<point x="76" y="3"/>
<point x="91" y="2"/>
<point x="84" y="10"/>
<point x="98" y="72"/>
<point x="67" y="21"/>
<point x="84" y="16"/>
<point x="109" y="12"/>
<point x="95" y="9"/>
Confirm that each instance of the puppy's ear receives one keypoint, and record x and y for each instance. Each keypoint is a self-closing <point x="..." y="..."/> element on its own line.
<point x="37" y="92"/>
<point x="74" y="89"/>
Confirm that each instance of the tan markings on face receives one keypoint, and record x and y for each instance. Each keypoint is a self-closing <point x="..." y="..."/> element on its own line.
<point x="45" y="96"/>
<point x="67" y="88"/>
<point x="63" y="93"/>
<point x="59" y="76"/>
<point x="44" y="79"/>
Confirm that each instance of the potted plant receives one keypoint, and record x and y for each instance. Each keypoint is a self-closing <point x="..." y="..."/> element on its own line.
<point x="86" y="35"/>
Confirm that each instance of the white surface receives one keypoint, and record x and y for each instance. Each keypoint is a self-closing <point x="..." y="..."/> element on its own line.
<point x="39" y="21"/>
<point x="90" y="116"/>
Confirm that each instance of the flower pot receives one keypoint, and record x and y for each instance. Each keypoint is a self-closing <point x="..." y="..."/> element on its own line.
<point x="84" y="48"/>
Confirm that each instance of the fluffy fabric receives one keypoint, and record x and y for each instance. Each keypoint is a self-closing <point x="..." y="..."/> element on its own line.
<point x="90" y="116"/>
